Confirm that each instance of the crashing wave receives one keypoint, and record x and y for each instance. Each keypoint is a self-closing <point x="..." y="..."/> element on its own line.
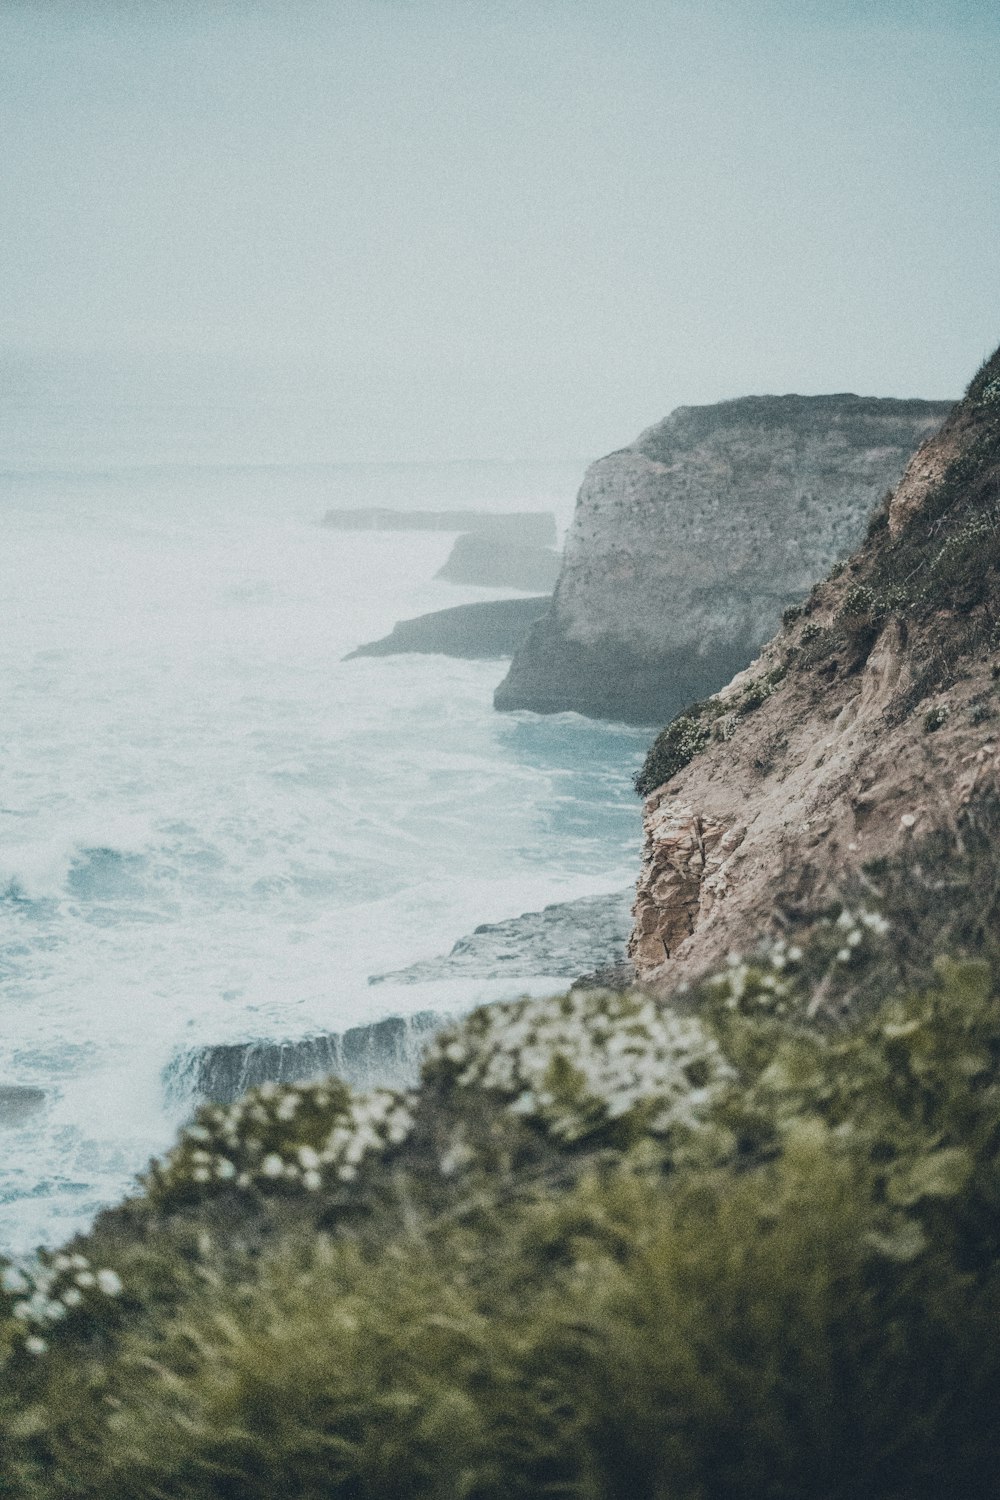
<point x="384" y="1053"/>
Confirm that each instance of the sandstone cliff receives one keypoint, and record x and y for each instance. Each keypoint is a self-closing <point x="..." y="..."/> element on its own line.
<point x="686" y="547"/>
<point x="869" y="720"/>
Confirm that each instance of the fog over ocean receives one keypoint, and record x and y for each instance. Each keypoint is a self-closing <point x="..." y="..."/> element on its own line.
<point x="212" y="828"/>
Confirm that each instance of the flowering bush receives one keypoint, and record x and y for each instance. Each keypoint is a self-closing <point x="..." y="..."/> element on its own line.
<point x="588" y="1062"/>
<point x="44" y="1292"/>
<point x="292" y="1137"/>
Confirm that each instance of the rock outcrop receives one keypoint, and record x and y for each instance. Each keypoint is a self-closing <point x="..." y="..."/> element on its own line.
<point x="527" y="528"/>
<point x="687" y="546"/>
<point x="494" y="562"/>
<point x="868" y="721"/>
<point x="476" y="632"/>
<point x="561" y="940"/>
<point x="382" y="1054"/>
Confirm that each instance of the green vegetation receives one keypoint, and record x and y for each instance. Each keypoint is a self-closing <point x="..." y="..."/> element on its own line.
<point x="742" y="1247"/>
<point x="674" y="748"/>
<point x="745" y="1251"/>
<point x="946" y="560"/>
<point x="687" y="735"/>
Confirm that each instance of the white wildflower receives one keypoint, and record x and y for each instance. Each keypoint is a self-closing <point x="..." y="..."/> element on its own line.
<point x="109" y="1282"/>
<point x="272" y="1165"/>
<point x="35" y="1345"/>
<point x="13" y="1281"/>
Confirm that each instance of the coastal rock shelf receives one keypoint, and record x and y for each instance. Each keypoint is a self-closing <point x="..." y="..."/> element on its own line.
<point x="686" y="547"/>
<point x="563" y="940"/>
<point x="483" y="632"/>
<point x="382" y="1054"/>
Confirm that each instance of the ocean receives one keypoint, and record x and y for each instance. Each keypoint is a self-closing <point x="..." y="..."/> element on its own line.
<point x="212" y="828"/>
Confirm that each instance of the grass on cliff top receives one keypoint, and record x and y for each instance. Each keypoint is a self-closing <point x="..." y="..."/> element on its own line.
<point x="781" y="1282"/>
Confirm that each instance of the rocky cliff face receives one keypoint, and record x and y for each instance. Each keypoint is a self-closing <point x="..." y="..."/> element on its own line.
<point x="868" y="721"/>
<point x="686" y="547"/>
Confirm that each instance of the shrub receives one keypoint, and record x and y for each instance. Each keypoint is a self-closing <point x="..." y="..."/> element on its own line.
<point x="673" y="749"/>
<point x="805" y="1300"/>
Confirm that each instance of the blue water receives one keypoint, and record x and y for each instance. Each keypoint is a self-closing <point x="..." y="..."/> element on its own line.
<point x="213" y="828"/>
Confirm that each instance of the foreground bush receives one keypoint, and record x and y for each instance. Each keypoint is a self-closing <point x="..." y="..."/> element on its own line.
<point x="602" y="1252"/>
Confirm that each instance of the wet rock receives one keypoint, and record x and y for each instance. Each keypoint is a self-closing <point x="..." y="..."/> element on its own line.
<point x="383" y="1053"/>
<point x="562" y="940"/>
<point x="481" y="632"/>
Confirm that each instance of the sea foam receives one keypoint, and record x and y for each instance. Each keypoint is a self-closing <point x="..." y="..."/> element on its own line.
<point x="213" y="830"/>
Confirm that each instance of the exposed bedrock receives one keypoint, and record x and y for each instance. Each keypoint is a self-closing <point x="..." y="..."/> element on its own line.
<point x="486" y="631"/>
<point x="384" y="1053"/>
<point x="561" y="940"/>
<point x="686" y="547"/>
<point x="494" y="562"/>
<point x="529" y="528"/>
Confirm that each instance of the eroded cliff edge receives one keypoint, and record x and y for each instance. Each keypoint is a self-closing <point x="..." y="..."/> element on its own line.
<point x="868" y="721"/>
<point x="686" y="547"/>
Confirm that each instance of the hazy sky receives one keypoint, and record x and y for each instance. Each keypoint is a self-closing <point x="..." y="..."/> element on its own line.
<point x="494" y="228"/>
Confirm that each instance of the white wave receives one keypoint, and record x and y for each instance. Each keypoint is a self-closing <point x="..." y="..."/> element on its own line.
<point x="37" y="869"/>
<point x="216" y="827"/>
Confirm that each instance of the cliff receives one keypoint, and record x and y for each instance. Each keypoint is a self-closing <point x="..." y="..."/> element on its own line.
<point x="686" y="547"/>
<point x="493" y="562"/>
<point x="868" y="722"/>
<point x="738" y="1245"/>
